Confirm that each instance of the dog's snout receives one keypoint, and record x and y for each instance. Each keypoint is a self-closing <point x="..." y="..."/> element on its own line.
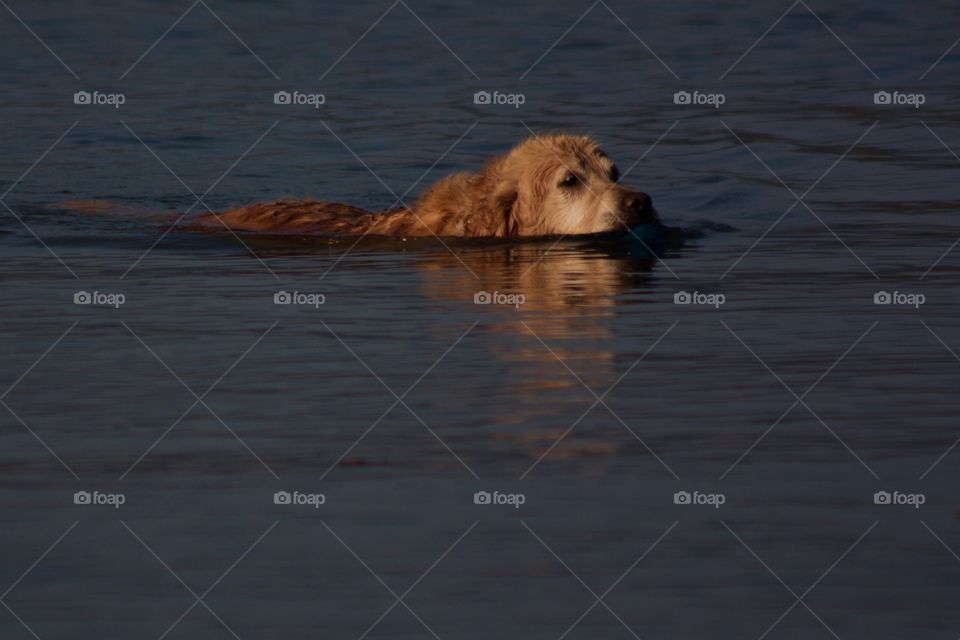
<point x="636" y="201"/>
<point x="639" y="206"/>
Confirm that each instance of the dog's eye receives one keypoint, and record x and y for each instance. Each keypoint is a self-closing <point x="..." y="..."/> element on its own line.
<point x="570" y="180"/>
<point x="615" y="173"/>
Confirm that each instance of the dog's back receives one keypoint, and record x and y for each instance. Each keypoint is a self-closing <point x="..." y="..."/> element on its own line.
<point x="308" y="217"/>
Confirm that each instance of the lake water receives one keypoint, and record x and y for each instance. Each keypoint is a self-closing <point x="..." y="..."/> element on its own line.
<point x="599" y="402"/>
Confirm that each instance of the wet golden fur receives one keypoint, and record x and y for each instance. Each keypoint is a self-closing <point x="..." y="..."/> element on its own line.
<point x="547" y="185"/>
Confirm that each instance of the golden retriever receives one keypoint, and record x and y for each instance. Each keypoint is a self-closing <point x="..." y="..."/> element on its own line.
<point x="547" y="185"/>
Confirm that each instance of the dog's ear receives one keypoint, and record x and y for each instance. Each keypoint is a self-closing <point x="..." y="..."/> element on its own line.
<point x="505" y="200"/>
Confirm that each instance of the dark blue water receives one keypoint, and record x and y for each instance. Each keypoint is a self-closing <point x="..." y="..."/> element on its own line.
<point x="785" y="409"/>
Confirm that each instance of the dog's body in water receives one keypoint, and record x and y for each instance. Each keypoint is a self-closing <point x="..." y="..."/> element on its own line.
<point x="547" y="185"/>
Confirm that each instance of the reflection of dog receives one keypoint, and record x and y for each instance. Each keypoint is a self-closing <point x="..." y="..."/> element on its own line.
<point x="547" y="185"/>
<point x="573" y="294"/>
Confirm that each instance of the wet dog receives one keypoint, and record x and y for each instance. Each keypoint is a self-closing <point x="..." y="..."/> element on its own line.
<point x="547" y="185"/>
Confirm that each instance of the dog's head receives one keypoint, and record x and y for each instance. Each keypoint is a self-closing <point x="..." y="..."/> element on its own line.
<point x="564" y="184"/>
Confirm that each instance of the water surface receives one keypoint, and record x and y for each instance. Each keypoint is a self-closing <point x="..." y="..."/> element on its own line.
<point x="598" y="398"/>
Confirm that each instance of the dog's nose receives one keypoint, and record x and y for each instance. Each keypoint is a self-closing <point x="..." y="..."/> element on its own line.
<point x="640" y="205"/>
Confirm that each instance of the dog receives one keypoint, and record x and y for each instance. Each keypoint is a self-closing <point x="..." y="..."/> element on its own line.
<point x="549" y="185"/>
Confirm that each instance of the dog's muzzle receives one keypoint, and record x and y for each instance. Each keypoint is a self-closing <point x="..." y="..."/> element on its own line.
<point x="638" y="208"/>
